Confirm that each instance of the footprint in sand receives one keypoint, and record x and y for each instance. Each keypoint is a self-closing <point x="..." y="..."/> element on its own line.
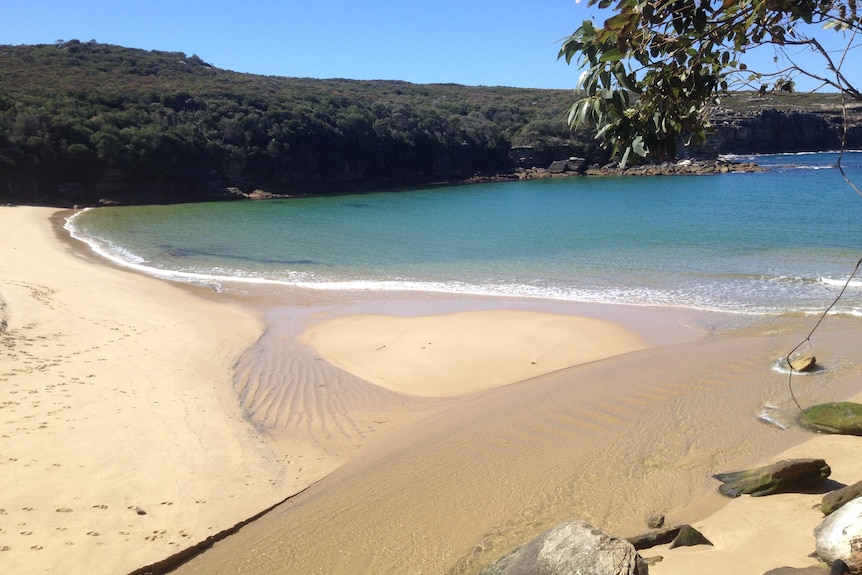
<point x="64" y="510"/>
<point x="93" y="533"/>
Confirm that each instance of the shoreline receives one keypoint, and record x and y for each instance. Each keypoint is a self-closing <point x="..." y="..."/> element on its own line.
<point x="499" y="459"/>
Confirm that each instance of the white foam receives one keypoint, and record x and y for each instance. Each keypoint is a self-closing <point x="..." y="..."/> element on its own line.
<point x="766" y="417"/>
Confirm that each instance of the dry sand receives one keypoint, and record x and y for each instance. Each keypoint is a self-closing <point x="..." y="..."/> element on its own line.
<point x="444" y="469"/>
<point x="449" y="354"/>
<point x="121" y="440"/>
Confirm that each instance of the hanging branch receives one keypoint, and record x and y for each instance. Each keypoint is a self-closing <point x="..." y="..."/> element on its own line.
<point x="845" y="88"/>
<point x="816" y="325"/>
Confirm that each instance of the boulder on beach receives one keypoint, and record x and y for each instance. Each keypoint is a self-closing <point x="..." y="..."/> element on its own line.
<point x="839" y="536"/>
<point x="834" y="500"/>
<point x="837" y="568"/>
<point x="571" y="547"/>
<point x="651" y="539"/>
<point x="788" y="476"/>
<point x="688" y="536"/>
<point x="840" y="417"/>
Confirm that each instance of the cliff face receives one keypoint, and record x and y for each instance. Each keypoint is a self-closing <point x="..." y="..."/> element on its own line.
<point x="773" y="131"/>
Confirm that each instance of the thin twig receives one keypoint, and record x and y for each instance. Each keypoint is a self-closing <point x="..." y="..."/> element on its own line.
<point x="858" y="263"/>
<point x="816" y="325"/>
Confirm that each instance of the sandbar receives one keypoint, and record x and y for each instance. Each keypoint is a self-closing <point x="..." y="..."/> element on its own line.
<point x="458" y="353"/>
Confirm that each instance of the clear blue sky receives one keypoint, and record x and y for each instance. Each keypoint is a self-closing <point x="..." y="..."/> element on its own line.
<point x="472" y="42"/>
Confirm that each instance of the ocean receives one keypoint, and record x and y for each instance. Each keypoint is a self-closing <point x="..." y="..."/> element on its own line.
<point x="782" y="241"/>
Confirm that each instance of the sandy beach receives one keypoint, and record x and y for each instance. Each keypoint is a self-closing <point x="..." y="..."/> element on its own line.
<point x="139" y="417"/>
<point x="121" y="440"/>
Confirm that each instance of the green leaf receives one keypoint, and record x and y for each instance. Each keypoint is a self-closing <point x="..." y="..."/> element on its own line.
<point x="613" y="55"/>
<point x="624" y="160"/>
<point x="639" y="147"/>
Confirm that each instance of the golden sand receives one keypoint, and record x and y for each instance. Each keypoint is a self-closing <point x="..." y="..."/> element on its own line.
<point x="439" y="441"/>
<point x="454" y="354"/>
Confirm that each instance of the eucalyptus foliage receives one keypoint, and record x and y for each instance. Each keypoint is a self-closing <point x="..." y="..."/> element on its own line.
<point x="655" y="68"/>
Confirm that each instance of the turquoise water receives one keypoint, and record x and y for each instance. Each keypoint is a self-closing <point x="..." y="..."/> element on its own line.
<point x="761" y="243"/>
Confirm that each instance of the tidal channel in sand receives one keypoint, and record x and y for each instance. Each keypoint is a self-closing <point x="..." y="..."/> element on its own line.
<point x="431" y="482"/>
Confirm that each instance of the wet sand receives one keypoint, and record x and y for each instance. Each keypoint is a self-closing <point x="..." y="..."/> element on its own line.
<point x="611" y="442"/>
<point x="407" y="478"/>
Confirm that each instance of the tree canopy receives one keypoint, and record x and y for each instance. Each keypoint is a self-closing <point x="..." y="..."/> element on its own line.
<point x="655" y="69"/>
<point x="111" y="117"/>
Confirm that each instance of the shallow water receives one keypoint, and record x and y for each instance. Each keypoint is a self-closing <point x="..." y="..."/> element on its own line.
<point x="449" y="485"/>
<point x="757" y="243"/>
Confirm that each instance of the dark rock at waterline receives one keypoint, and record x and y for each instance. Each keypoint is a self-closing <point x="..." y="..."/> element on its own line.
<point x="836" y="499"/>
<point x="679" y="536"/>
<point x="788" y="476"/>
<point x="842" y="417"/>
<point x="571" y="547"/>
<point x="653" y="538"/>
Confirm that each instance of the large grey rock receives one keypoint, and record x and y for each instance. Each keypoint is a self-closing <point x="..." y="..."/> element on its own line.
<point x="788" y="476"/>
<point x="840" y="417"/>
<point x="835" y="499"/>
<point x="839" y="536"/>
<point x="571" y="548"/>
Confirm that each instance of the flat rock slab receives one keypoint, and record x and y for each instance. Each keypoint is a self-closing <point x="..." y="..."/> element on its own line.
<point x="841" y="417"/>
<point x="835" y="499"/>
<point x="788" y="476"/>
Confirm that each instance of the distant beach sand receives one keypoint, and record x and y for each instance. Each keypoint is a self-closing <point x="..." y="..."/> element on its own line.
<point x="139" y="417"/>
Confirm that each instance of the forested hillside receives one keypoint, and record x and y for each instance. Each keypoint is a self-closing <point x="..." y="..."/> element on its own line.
<point x="105" y="121"/>
<point x="83" y="123"/>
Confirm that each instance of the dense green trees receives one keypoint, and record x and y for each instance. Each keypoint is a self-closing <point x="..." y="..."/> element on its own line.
<point x="655" y="69"/>
<point x="101" y="114"/>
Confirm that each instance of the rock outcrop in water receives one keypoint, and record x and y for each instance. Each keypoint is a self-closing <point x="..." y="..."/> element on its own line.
<point x="841" y="417"/>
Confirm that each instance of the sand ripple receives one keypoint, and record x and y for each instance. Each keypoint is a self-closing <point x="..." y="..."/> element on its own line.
<point x="610" y="442"/>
